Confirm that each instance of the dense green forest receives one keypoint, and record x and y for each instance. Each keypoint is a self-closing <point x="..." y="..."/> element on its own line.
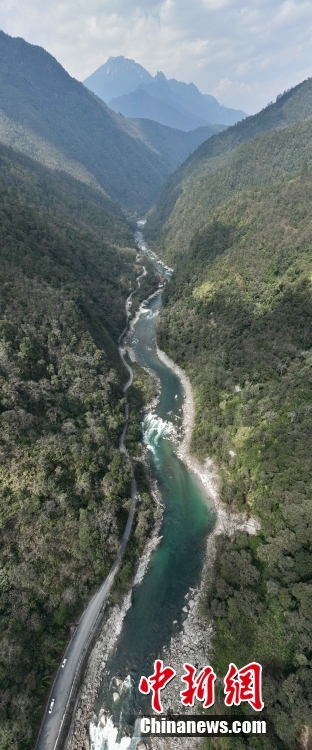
<point x="223" y="165"/>
<point x="67" y="265"/>
<point x="238" y="318"/>
<point x="173" y="145"/>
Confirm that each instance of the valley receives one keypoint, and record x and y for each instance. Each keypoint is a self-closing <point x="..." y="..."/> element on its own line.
<point x="156" y="610"/>
<point x="113" y="436"/>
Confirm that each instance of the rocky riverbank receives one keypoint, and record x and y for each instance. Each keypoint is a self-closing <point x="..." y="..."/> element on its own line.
<point x="193" y="642"/>
<point x="227" y="522"/>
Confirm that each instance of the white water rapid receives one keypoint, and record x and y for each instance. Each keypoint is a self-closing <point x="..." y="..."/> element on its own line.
<point x="102" y="731"/>
<point x="154" y="428"/>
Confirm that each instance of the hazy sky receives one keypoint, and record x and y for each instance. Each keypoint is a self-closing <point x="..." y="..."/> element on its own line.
<point x="244" y="52"/>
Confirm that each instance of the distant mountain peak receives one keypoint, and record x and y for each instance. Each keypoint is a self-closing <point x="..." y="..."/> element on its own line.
<point x="121" y="81"/>
<point x="160" y="76"/>
<point x="122" y="63"/>
<point x="117" y="77"/>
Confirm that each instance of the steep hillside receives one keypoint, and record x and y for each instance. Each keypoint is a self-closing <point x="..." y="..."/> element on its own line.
<point x="67" y="263"/>
<point x="174" y="146"/>
<point x="189" y="195"/>
<point x="238" y="318"/>
<point x="55" y="119"/>
<point x="64" y="198"/>
<point x="170" y="146"/>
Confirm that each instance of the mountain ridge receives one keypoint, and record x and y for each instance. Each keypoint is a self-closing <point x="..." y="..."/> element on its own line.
<point x="50" y="116"/>
<point x="168" y="101"/>
<point x="181" y="207"/>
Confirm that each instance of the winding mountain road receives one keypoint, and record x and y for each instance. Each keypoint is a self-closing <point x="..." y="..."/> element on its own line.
<point x="73" y="660"/>
<point x="76" y="650"/>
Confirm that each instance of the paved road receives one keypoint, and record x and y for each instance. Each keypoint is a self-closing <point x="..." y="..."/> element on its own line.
<point x="61" y="692"/>
<point x="52" y="724"/>
<point x="129" y="382"/>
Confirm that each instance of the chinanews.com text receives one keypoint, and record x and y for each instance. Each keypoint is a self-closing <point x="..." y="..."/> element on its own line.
<point x="198" y="726"/>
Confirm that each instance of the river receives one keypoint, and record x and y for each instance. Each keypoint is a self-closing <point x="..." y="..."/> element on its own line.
<point x="157" y="606"/>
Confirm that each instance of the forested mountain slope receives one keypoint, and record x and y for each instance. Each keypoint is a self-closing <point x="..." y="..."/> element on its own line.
<point x="172" y="145"/>
<point x="64" y="197"/>
<point x="189" y="195"/>
<point x="52" y="117"/>
<point x="238" y="318"/>
<point x="67" y="263"/>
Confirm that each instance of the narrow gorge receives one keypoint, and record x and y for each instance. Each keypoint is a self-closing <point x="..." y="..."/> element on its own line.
<point x="161" y="617"/>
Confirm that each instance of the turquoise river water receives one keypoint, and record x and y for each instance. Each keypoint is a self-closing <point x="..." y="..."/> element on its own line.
<point x="157" y="606"/>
